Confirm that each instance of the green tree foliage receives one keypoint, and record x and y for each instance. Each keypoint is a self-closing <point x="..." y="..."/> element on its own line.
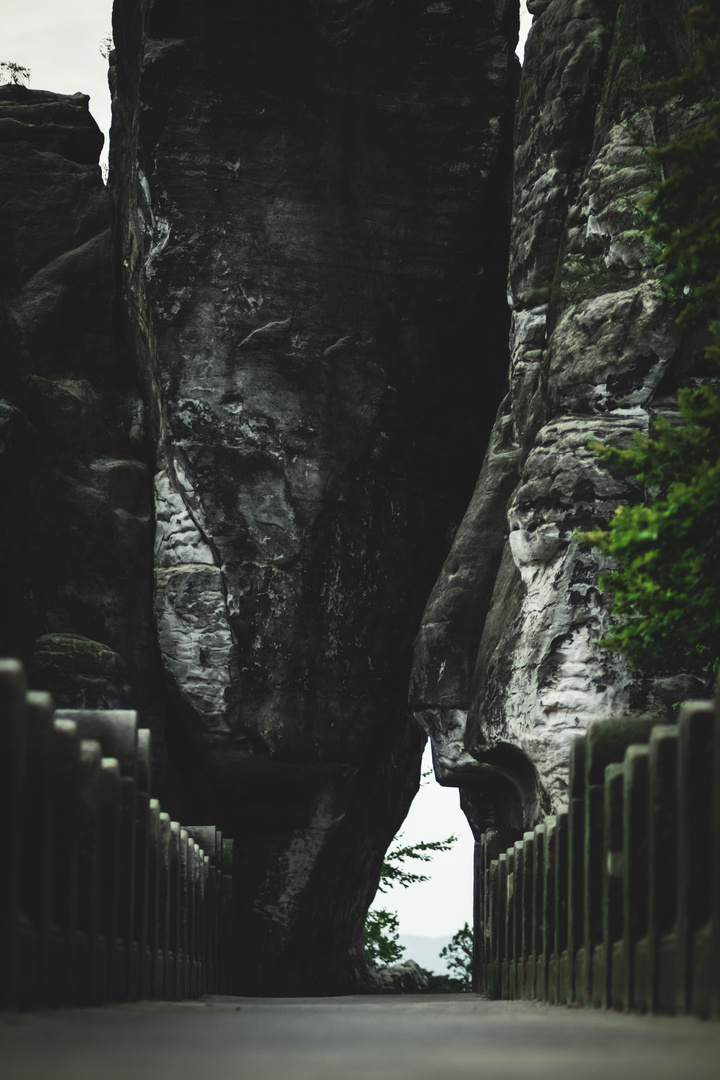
<point x="14" y="73"/>
<point x="686" y="203"/>
<point x="381" y="925"/>
<point x="459" y="954"/>
<point x="381" y="938"/>
<point x="666" y="585"/>
<point x="393" y="873"/>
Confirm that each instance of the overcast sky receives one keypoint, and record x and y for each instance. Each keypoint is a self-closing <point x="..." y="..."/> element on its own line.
<point x="60" y="41"/>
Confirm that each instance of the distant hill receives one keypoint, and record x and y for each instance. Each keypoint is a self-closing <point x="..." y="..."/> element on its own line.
<point x="425" y="951"/>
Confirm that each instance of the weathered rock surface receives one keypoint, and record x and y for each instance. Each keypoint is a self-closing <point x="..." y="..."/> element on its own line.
<point x="405" y="978"/>
<point x="312" y="218"/>
<point x="75" y="509"/>
<point x="507" y="664"/>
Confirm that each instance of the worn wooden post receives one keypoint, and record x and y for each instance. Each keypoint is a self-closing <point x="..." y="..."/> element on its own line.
<point x="694" y="874"/>
<point x="89" y="981"/>
<point x="502" y="922"/>
<point x="576" y="870"/>
<point x="715" y="944"/>
<point x="654" y="980"/>
<point x="492" y="983"/>
<point x="183" y="921"/>
<point x="227" y="909"/>
<point x="173" y="989"/>
<point x="527" y="989"/>
<point x="696" y="726"/>
<point x="508" y="961"/>
<point x="492" y="844"/>
<point x="205" y="984"/>
<point x="12" y="763"/>
<point x="593" y="884"/>
<point x="152" y="937"/>
<point x="116" y="730"/>
<point x="548" y="911"/>
<point x="606" y="741"/>
<point x="210" y="840"/>
<point x="193" y="903"/>
<point x="164" y="968"/>
<point x="214" y="926"/>
<point x="538" y="911"/>
<point x="636" y="874"/>
<point x="480" y="881"/>
<point x="612" y="888"/>
<point x="509" y="965"/>
<point x="703" y="929"/>
<point x="138" y="975"/>
<point x="517" y="981"/>
<point x="65" y="757"/>
<point x="35" y="821"/>
<point x="560" y="908"/>
<point x="109" y="799"/>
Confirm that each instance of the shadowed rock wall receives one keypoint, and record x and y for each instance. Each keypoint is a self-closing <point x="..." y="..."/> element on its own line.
<point x="508" y="667"/>
<point x="312" y="215"/>
<point x="75" y="506"/>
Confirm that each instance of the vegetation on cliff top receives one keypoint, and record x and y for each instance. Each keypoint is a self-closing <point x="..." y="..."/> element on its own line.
<point x="666" y="584"/>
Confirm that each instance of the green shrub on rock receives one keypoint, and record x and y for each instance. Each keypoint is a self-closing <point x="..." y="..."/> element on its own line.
<point x="666" y="580"/>
<point x="666" y="586"/>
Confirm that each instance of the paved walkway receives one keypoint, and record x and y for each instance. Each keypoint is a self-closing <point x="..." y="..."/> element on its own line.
<point x="449" y="1037"/>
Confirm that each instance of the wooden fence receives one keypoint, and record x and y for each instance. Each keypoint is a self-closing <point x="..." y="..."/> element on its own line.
<point x="102" y="897"/>
<point x="615" y="900"/>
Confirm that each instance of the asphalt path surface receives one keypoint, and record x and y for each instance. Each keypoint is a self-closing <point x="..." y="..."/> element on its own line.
<point x="444" y="1037"/>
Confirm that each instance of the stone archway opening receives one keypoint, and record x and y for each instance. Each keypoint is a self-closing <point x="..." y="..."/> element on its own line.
<point x="431" y="912"/>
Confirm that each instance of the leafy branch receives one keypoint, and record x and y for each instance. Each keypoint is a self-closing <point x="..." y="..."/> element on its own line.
<point x="666" y="580"/>
<point x="14" y="73"/>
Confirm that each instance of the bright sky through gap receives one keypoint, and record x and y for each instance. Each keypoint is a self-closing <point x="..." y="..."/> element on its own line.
<point x="440" y="906"/>
<point x="59" y="40"/>
<point x="525" y="24"/>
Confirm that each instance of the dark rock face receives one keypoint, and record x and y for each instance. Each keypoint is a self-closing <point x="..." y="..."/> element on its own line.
<point x="508" y="665"/>
<point x="312" y="220"/>
<point x="75" y="526"/>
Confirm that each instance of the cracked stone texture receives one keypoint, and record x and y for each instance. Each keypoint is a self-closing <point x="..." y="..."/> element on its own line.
<point x="312" y="214"/>
<point x="507" y="664"/>
<point x="75" y="506"/>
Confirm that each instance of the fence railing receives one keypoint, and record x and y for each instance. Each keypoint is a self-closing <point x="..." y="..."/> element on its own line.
<point x="615" y="900"/>
<point x="102" y="897"/>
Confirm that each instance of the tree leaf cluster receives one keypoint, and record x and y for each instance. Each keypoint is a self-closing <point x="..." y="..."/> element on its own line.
<point x="666" y="577"/>
<point x="686" y="204"/>
<point x="14" y="73"/>
<point x="393" y="872"/>
<point x="381" y="926"/>
<point x="666" y="584"/>
<point x="381" y="938"/>
<point x="459" y="955"/>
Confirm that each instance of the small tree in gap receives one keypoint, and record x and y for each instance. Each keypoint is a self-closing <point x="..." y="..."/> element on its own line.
<point x="10" y="72"/>
<point x="381" y="925"/>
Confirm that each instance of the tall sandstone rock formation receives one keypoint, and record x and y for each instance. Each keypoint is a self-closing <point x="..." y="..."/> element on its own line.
<point x="508" y="666"/>
<point x="75" y="507"/>
<point x="313" y="224"/>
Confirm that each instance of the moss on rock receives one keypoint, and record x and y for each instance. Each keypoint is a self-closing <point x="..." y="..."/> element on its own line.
<point x="80" y="672"/>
